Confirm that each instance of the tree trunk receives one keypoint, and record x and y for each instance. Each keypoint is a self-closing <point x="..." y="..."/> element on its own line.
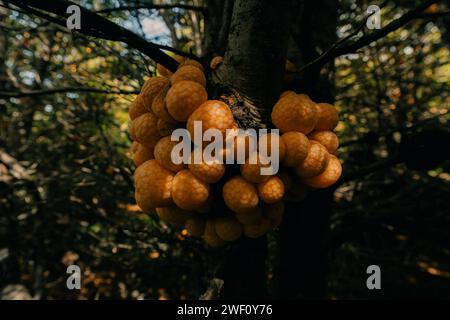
<point x="304" y="231"/>
<point x="253" y="68"/>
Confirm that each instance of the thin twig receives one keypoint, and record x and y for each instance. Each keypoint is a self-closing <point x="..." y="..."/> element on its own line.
<point x="96" y="26"/>
<point x="34" y="93"/>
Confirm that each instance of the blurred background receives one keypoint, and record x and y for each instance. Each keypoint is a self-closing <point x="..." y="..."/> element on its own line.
<point x="66" y="188"/>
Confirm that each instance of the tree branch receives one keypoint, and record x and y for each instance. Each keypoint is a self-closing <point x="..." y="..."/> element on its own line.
<point x="97" y="26"/>
<point x="35" y="93"/>
<point x="362" y="172"/>
<point x="339" y="48"/>
<point x="152" y="7"/>
<point x="376" y="136"/>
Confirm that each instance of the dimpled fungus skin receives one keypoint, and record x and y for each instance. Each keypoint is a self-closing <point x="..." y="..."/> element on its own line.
<point x="163" y="71"/>
<point x="213" y="114"/>
<point x="297" y="146"/>
<point x="237" y="141"/>
<point x="151" y="88"/>
<point x="272" y="137"/>
<point x="189" y="73"/>
<point x="239" y="194"/>
<point x="142" y="154"/>
<point x="137" y="108"/>
<point x="165" y="128"/>
<point x="163" y="154"/>
<point x="183" y="98"/>
<point x="190" y="62"/>
<point x="271" y="190"/>
<point x="210" y="236"/>
<point x="228" y="228"/>
<point x="173" y="215"/>
<point x="327" y="117"/>
<point x="326" y="138"/>
<point x="159" y="107"/>
<point x="315" y="162"/>
<point x="257" y="230"/>
<point x="144" y="130"/>
<point x="209" y="172"/>
<point x="328" y="177"/>
<point x="215" y="62"/>
<point x="195" y="226"/>
<point x="274" y="212"/>
<point x="153" y="185"/>
<point x="251" y="171"/>
<point x="287" y="93"/>
<point x="294" y="113"/>
<point x="189" y="192"/>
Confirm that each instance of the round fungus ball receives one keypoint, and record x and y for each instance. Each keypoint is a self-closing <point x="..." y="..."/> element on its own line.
<point x="163" y="71"/>
<point x="315" y="162"/>
<point x="287" y="93"/>
<point x="297" y="146"/>
<point x="189" y="192"/>
<point x="142" y="154"/>
<point x="273" y="141"/>
<point x="239" y="194"/>
<point x="294" y="113"/>
<point x="151" y="88"/>
<point x="228" y="228"/>
<point x="207" y="171"/>
<point x="212" y="114"/>
<point x="328" y="177"/>
<point x="271" y="190"/>
<point x="144" y="130"/>
<point x="153" y="185"/>
<point x="137" y="108"/>
<point x="189" y="73"/>
<point x="327" y="117"/>
<point x="173" y="215"/>
<point x="215" y="62"/>
<point x="326" y="138"/>
<point x="239" y="145"/>
<point x="183" y="98"/>
<point x="159" y="107"/>
<point x="163" y="154"/>
<point x="166" y="128"/>
<point x="191" y="62"/>
<point x="251" y="169"/>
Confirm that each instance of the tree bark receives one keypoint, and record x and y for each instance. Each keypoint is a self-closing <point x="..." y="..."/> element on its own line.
<point x="253" y="68"/>
<point x="256" y="52"/>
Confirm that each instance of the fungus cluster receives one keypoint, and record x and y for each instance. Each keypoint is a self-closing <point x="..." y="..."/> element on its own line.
<point x="216" y="201"/>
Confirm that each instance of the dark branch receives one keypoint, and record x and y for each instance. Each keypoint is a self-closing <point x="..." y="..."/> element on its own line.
<point x="375" y="136"/>
<point x="340" y="49"/>
<point x="153" y="7"/>
<point x="360" y="173"/>
<point x="34" y="93"/>
<point x="434" y="15"/>
<point x="97" y="26"/>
